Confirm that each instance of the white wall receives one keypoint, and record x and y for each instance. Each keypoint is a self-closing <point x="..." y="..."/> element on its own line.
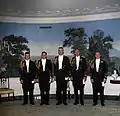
<point x="110" y="89"/>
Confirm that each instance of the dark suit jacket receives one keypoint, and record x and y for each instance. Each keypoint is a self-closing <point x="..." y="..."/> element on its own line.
<point x="103" y="69"/>
<point x="32" y="72"/>
<point x="48" y="68"/>
<point x="82" y="66"/>
<point x="65" y="66"/>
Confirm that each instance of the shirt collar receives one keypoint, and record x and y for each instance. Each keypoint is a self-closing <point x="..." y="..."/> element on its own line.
<point x="27" y="60"/>
<point x="98" y="59"/>
<point x="77" y="56"/>
<point x="60" y="55"/>
<point x="44" y="59"/>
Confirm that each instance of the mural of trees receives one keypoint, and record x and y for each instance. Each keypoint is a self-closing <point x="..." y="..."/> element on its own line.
<point x="100" y="42"/>
<point x="17" y="45"/>
<point x="77" y="38"/>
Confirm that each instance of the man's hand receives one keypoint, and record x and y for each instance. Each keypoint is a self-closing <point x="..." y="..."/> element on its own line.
<point x="21" y="81"/>
<point x="105" y="80"/>
<point x="92" y="81"/>
<point x="54" y="78"/>
<point x="33" y="82"/>
<point x="85" y="77"/>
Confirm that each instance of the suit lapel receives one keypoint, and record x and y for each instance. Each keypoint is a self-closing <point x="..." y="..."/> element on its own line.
<point x="25" y="66"/>
<point x="95" y="65"/>
<point x="75" y="65"/>
<point x="30" y="66"/>
<point x="63" y="61"/>
<point x="80" y="60"/>
<point x="46" y="64"/>
<point x="100" y="64"/>
<point x="57" y="62"/>
<point x="41" y="64"/>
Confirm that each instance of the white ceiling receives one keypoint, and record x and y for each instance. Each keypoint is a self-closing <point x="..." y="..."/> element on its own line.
<point x="56" y="8"/>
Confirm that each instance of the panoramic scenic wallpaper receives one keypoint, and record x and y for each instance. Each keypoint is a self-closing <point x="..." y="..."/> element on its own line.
<point x="89" y="36"/>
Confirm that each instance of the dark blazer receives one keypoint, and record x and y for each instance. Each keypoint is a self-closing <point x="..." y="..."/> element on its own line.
<point x="32" y="71"/>
<point x="103" y="69"/>
<point x="65" y="66"/>
<point x="48" y="68"/>
<point x="82" y="66"/>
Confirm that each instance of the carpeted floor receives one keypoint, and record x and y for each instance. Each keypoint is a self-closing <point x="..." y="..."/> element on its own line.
<point x="15" y="108"/>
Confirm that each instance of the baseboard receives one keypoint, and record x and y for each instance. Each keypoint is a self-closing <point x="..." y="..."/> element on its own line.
<point x="53" y="96"/>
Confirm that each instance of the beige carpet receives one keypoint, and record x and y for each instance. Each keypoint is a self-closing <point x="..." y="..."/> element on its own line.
<point x="15" y="108"/>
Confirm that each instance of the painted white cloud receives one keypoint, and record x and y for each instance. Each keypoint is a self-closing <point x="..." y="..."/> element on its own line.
<point x="116" y="45"/>
<point x="51" y="48"/>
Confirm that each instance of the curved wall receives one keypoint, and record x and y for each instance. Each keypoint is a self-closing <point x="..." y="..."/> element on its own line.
<point x="50" y="39"/>
<point x="103" y="16"/>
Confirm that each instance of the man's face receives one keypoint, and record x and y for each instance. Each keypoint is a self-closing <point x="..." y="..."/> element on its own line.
<point x="60" y="51"/>
<point x="27" y="56"/>
<point x="43" y="55"/>
<point x="77" y="53"/>
<point x="97" y="55"/>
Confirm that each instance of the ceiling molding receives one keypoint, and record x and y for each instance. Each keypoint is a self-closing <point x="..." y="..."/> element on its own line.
<point x="104" y="16"/>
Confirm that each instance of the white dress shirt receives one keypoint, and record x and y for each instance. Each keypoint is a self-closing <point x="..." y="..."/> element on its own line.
<point x="27" y="65"/>
<point x="60" y="60"/>
<point x="97" y="64"/>
<point x="43" y="64"/>
<point x="77" y="62"/>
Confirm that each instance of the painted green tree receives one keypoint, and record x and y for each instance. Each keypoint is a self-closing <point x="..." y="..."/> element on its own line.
<point x="100" y="42"/>
<point x="76" y="38"/>
<point x="17" y="45"/>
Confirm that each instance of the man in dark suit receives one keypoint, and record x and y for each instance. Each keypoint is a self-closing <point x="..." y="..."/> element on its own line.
<point x="79" y="75"/>
<point x="61" y="71"/>
<point x="98" y="69"/>
<point x="44" y="72"/>
<point x="27" y="79"/>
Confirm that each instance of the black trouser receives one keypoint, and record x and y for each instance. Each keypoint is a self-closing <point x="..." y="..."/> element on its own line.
<point x="78" y="85"/>
<point x="61" y="87"/>
<point x="28" y="88"/>
<point x="44" y="86"/>
<point x="97" y="88"/>
<point x="77" y="96"/>
<point x="44" y="96"/>
<point x="59" y="95"/>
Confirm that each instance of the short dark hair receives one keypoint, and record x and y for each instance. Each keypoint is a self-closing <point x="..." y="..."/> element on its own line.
<point x="97" y="52"/>
<point x="27" y="53"/>
<point x="77" y="49"/>
<point x="44" y="52"/>
<point x="60" y="48"/>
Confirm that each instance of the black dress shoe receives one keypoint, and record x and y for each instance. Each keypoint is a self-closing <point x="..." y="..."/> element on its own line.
<point x="82" y="104"/>
<point x="47" y="104"/>
<point x="58" y="103"/>
<point x="32" y="103"/>
<point x="24" y="104"/>
<point x="41" y="103"/>
<point x="94" y="104"/>
<point x="102" y="104"/>
<point x="65" y="103"/>
<point x="76" y="103"/>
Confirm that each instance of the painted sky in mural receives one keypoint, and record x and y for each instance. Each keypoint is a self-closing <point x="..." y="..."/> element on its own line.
<point x="50" y="39"/>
